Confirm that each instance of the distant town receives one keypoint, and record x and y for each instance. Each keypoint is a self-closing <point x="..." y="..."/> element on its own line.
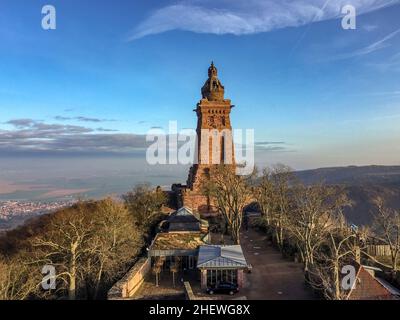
<point x="22" y="210"/>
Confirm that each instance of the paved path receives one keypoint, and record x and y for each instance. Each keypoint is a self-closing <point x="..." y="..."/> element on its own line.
<point x="165" y="290"/>
<point x="272" y="277"/>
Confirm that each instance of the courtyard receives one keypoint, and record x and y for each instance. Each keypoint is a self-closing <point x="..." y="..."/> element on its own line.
<point x="272" y="278"/>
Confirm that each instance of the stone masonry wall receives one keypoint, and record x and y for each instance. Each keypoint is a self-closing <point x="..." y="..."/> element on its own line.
<point x="131" y="282"/>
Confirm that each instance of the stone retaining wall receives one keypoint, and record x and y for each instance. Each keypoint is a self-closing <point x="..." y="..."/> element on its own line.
<point x="131" y="282"/>
<point x="188" y="291"/>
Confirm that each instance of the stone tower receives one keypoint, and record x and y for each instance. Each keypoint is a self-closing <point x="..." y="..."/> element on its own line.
<point x="213" y="126"/>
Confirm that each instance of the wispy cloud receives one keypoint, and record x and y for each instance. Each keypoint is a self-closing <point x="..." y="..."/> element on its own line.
<point x="384" y="93"/>
<point x="271" y="146"/>
<point x="32" y="129"/>
<point x="87" y="119"/>
<point x="82" y="119"/>
<point x="32" y="136"/>
<point x="21" y="123"/>
<point x="106" y="130"/>
<point x="266" y="143"/>
<point x="241" y="17"/>
<point x="377" y="45"/>
<point x="369" y="27"/>
<point x="376" y="118"/>
<point x="390" y="64"/>
<point x="62" y="118"/>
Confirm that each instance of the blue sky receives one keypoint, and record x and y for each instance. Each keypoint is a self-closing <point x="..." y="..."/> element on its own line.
<point x="114" y="69"/>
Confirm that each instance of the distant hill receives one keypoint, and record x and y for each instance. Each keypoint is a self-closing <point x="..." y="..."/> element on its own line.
<point x="363" y="184"/>
<point x="352" y="175"/>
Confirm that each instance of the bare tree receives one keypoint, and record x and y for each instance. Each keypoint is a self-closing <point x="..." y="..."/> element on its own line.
<point x="313" y="217"/>
<point x="325" y="275"/>
<point x="264" y="194"/>
<point x="64" y="244"/>
<point x="175" y="268"/>
<point x="145" y="204"/>
<point x="18" y="280"/>
<point x="281" y="177"/>
<point x="89" y="245"/>
<point x="387" y="228"/>
<point x="231" y="193"/>
<point x="115" y="241"/>
<point x="157" y="268"/>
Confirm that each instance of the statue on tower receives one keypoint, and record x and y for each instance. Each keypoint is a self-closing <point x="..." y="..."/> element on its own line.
<point x="213" y="90"/>
<point x="212" y="70"/>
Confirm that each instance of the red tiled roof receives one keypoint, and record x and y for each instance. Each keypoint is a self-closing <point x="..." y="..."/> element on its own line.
<point x="367" y="287"/>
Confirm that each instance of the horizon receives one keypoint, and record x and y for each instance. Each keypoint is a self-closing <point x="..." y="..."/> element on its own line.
<point x="76" y="102"/>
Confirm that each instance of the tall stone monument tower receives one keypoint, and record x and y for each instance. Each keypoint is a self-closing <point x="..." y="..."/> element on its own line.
<point x="213" y="127"/>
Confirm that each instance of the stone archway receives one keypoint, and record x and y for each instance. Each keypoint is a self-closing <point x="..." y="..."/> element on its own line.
<point x="253" y="206"/>
<point x="250" y="211"/>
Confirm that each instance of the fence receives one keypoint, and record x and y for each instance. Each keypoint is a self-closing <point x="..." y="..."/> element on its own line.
<point x="378" y="250"/>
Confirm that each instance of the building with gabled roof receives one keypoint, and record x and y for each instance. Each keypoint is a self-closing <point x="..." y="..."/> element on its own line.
<point x="183" y="220"/>
<point x="368" y="286"/>
<point x="185" y="234"/>
<point x="186" y="243"/>
<point x="221" y="256"/>
<point x="221" y="263"/>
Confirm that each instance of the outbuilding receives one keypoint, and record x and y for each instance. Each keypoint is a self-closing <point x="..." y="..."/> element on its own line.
<point x="221" y="263"/>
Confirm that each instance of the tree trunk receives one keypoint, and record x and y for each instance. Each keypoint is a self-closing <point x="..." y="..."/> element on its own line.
<point x="236" y="235"/>
<point x="337" y="281"/>
<point x="156" y="279"/>
<point x="394" y="261"/>
<point x="305" y="264"/>
<point x="267" y="218"/>
<point x="307" y="258"/>
<point x="100" y="273"/>
<point x="72" y="282"/>
<point x="72" y="278"/>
